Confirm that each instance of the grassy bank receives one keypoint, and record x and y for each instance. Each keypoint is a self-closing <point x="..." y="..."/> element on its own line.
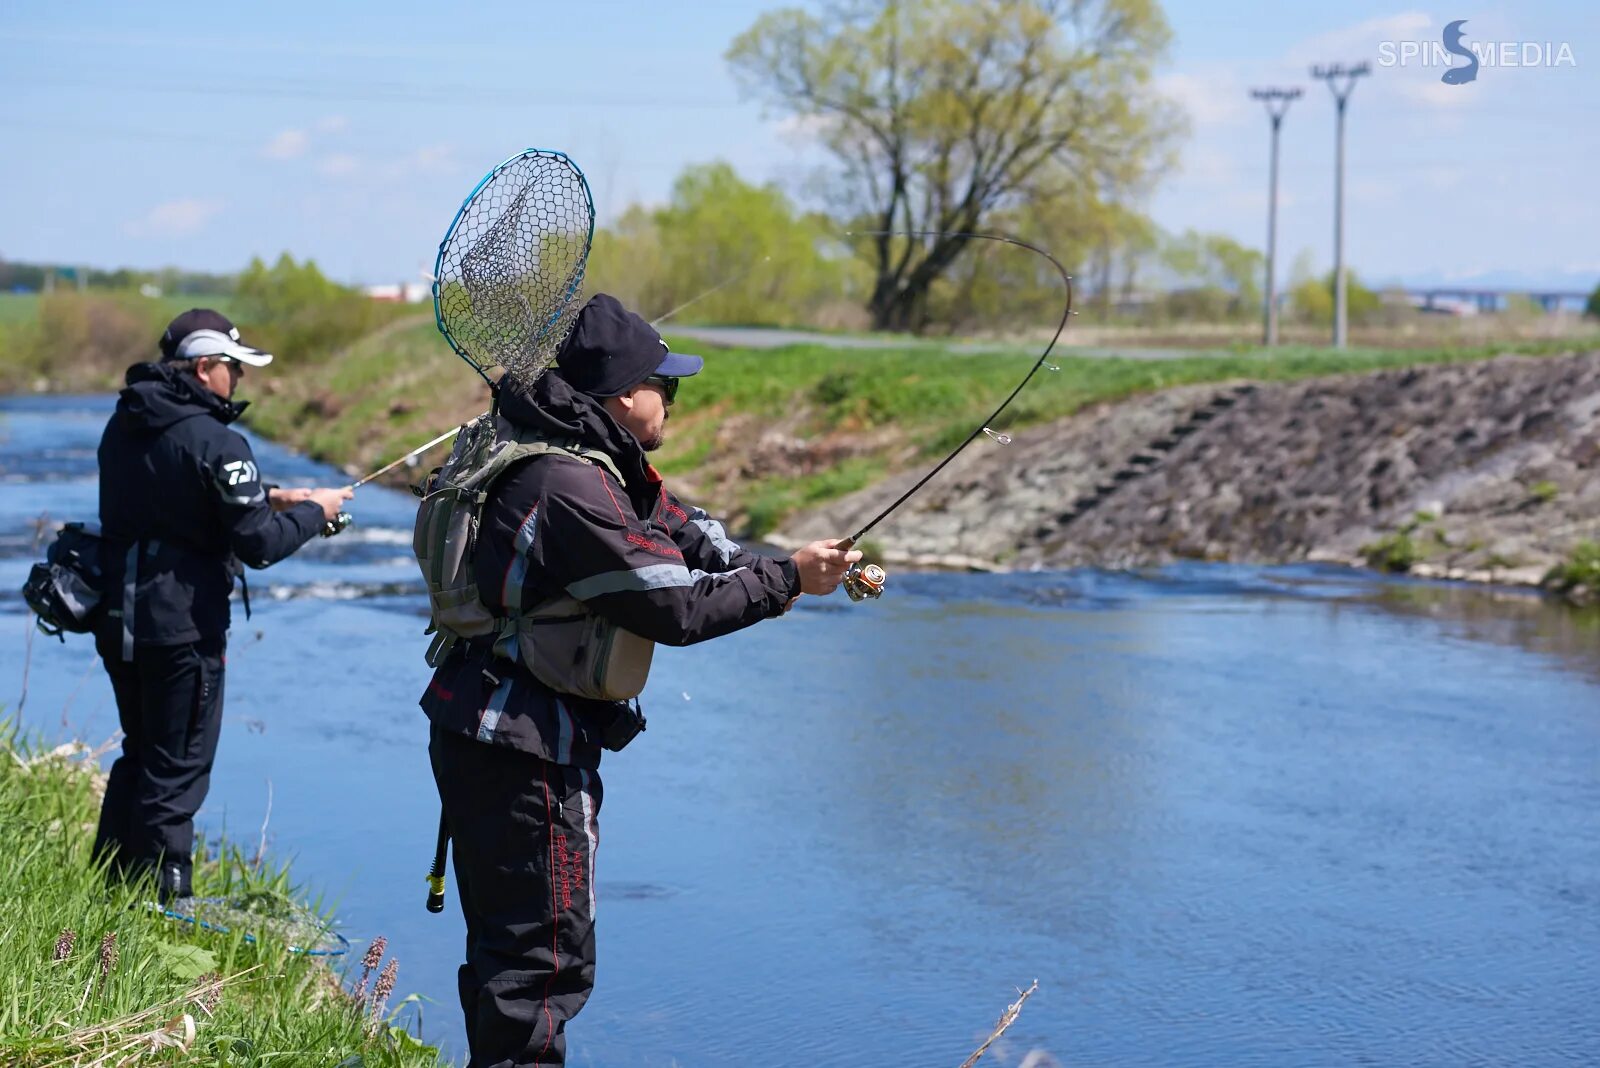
<point x="91" y="976"/>
<point x="852" y="415"/>
<point x="863" y="412"/>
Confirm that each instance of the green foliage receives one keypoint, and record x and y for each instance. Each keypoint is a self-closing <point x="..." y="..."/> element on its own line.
<point x="772" y="500"/>
<point x="64" y="1001"/>
<point x="1313" y="300"/>
<point x="1578" y="576"/>
<point x="1544" y="492"/>
<point x="1591" y="309"/>
<point x="294" y="311"/>
<point x="1418" y="539"/>
<point x="1225" y="277"/>
<point x="941" y="114"/>
<point x="773" y="264"/>
<point x="85" y="340"/>
<point x="1392" y="552"/>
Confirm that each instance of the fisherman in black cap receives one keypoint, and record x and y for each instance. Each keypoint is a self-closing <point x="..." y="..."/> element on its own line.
<point x="583" y="526"/>
<point x="182" y="505"/>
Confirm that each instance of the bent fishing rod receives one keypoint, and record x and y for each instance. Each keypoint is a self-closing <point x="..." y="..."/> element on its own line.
<point x="862" y="581"/>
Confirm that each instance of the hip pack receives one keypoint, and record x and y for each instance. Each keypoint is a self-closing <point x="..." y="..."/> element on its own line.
<point x="566" y="647"/>
<point x="64" y="591"/>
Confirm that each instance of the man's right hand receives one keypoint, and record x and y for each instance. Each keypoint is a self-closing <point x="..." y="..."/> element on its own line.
<point x="331" y="501"/>
<point x="822" y="566"/>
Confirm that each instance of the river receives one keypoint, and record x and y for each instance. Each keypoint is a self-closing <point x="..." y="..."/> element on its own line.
<point x="1225" y="815"/>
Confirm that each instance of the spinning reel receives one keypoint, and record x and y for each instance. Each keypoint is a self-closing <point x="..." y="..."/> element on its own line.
<point x="864" y="582"/>
<point x="338" y="523"/>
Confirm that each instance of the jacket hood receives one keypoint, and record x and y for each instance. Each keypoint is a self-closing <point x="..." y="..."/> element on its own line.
<point x="551" y="406"/>
<point x="161" y="394"/>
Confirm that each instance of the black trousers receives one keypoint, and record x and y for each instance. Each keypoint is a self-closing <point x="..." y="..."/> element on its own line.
<point x="523" y="838"/>
<point x="169" y="700"/>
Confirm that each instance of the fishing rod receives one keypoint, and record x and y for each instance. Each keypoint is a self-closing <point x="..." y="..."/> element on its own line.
<point x="863" y="581"/>
<point x="343" y="520"/>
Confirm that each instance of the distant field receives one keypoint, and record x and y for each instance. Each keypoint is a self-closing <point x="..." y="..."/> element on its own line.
<point x="24" y="307"/>
<point x="18" y="307"/>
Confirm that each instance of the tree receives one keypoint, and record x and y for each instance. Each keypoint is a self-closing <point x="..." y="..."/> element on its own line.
<point x="1224" y="276"/>
<point x="1312" y="299"/>
<point x="777" y="263"/>
<point x="943" y="113"/>
<point x="1592" y="309"/>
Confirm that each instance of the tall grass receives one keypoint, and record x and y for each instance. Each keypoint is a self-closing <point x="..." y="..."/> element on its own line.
<point x="90" y="975"/>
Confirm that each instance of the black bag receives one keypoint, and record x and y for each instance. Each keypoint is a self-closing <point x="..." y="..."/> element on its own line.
<point x="65" y="590"/>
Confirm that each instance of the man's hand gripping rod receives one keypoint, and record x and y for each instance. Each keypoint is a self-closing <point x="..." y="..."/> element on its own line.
<point x="343" y="520"/>
<point x="866" y="580"/>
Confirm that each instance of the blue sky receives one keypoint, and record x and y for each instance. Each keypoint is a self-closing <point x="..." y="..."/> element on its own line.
<point x="202" y="134"/>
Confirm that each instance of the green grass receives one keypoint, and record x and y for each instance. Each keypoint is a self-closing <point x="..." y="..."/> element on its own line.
<point x="397" y="388"/>
<point x="1579" y="574"/>
<point x="939" y="395"/>
<point x="251" y="1004"/>
<point x="24" y="307"/>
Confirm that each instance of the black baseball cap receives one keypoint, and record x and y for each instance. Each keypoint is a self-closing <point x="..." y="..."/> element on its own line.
<point x="202" y="332"/>
<point x="612" y="349"/>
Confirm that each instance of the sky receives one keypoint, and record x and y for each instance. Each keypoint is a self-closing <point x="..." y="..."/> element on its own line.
<point x="199" y="135"/>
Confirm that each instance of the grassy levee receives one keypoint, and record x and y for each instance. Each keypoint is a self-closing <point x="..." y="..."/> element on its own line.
<point x="91" y="975"/>
<point x="902" y="405"/>
<point x="861" y="412"/>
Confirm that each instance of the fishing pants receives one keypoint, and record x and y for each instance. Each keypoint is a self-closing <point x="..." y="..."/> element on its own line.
<point x="523" y="838"/>
<point x="169" y="701"/>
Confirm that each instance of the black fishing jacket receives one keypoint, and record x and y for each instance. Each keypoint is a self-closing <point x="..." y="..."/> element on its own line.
<point x="181" y="505"/>
<point x="630" y="551"/>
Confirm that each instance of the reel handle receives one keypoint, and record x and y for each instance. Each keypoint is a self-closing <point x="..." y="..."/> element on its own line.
<point x="338" y="523"/>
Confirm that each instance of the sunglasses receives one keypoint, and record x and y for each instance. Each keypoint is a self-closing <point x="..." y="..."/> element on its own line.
<point x="669" y="387"/>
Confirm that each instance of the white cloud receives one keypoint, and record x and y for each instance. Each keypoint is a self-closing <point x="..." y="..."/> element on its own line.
<point x="288" y="144"/>
<point x="803" y="129"/>
<point x="175" y="218"/>
<point x="338" y="165"/>
<point x="1352" y="44"/>
<point x="434" y="159"/>
<point x="1211" y="99"/>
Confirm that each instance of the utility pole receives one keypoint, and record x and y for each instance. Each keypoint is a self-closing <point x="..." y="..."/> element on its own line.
<point x="1277" y="102"/>
<point x="1341" y="82"/>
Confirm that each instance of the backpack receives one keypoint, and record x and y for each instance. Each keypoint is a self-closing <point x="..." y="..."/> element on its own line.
<point x="565" y="646"/>
<point x="64" y="591"/>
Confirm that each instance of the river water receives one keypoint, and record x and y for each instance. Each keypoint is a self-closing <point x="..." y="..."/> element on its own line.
<point x="1224" y="815"/>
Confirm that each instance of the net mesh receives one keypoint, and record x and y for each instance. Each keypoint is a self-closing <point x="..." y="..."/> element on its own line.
<point x="262" y="915"/>
<point x="511" y="267"/>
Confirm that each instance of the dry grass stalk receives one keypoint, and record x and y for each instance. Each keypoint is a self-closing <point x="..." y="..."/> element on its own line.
<point x="129" y="1039"/>
<point x="1007" y="1018"/>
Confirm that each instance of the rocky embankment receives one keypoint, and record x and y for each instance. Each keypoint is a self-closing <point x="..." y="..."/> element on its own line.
<point x="1487" y="470"/>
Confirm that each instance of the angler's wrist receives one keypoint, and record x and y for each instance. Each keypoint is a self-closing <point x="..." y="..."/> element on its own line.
<point x="791" y="577"/>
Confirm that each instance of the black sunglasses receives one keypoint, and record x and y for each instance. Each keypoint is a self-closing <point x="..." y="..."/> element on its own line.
<point x="669" y="386"/>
